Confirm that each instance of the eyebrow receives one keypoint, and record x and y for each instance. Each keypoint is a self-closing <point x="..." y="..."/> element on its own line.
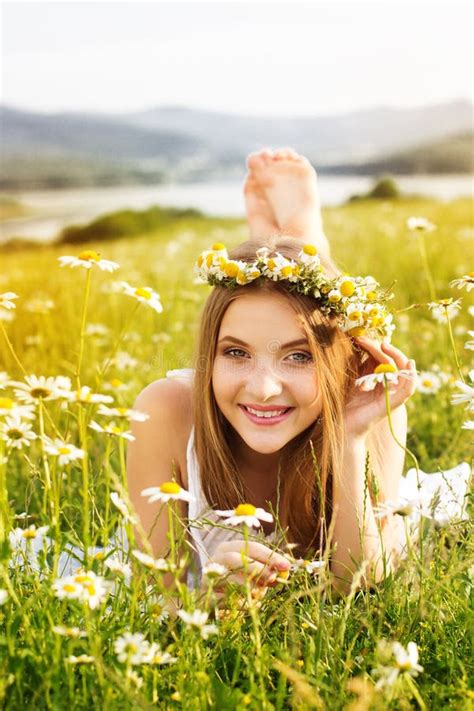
<point x="290" y="344"/>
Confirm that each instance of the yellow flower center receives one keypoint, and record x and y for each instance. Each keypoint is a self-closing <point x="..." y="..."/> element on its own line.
<point x="245" y="510"/>
<point x="445" y="302"/>
<point x="427" y="383"/>
<point x="143" y="292"/>
<point x="471" y="274"/>
<point x="64" y="450"/>
<point x="89" y="256"/>
<point x="347" y="288"/>
<point x="6" y="403"/>
<point x="69" y="587"/>
<point x="334" y="298"/>
<point x="40" y="392"/>
<point x="14" y="434"/>
<point x="170" y="487"/>
<point x="131" y="648"/>
<point x="200" y="260"/>
<point x="255" y="274"/>
<point x="29" y="533"/>
<point x="385" y="368"/>
<point x="310" y="249"/>
<point x="91" y="589"/>
<point x="355" y="316"/>
<point x="271" y="264"/>
<point x="116" y="383"/>
<point x="286" y="271"/>
<point x="218" y="246"/>
<point x="209" y="259"/>
<point x="122" y="411"/>
<point x="82" y="578"/>
<point x="356" y="332"/>
<point x="371" y="295"/>
<point x="231" y="269"/>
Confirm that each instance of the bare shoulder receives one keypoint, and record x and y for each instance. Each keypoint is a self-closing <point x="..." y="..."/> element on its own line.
<point x="168" y="402"/>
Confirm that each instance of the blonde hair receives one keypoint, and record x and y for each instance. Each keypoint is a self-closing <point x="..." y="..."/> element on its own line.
<point x="305" y="496"/>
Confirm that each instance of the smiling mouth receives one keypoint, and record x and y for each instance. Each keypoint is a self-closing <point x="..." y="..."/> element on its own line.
<point x="268" y="415"/>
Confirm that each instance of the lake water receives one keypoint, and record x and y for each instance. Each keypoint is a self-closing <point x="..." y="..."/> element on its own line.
<point x="55" y="209"/>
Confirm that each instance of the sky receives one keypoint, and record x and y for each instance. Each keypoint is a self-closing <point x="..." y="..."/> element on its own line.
<point x="255" y="58"/>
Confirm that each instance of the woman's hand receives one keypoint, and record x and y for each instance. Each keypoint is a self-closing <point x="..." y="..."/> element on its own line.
<point x="365" y="408"/>
<point x="249" y="560"/>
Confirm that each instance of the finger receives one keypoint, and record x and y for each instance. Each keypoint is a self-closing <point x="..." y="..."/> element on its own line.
<point x="375" y="350"/>
<point x="251" y="568"/>
<point x="258" y="551"/>
<point x="401" y="360"/>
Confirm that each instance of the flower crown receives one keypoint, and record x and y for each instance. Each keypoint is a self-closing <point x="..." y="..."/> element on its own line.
<point x="358" y="302"/>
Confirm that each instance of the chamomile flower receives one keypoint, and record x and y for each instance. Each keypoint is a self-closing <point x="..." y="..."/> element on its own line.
<point x="39" y="388"/>
<point x="197" y="620"/>
<point x="214" y="570"/>
<point x="70" y="632"/>
<point x="87" y="259"/>
<point x="121" y="505"/>
<point x="144" y="294"/>
<point x="85" y="396"/>
<point x="115" y="565"/>
<point x="157" y="656"/>
<point x="132" y="648"/>
<point x="112" y="430"/>
<point x="444" y="309"/>
<point x="67" y="588"/>
<point x="117" y="385"/>
<point x="397" y="660"/>
<point x="466" y="394"/>
<point x="7" y="300"/>
<point x="94" y="589"/>
<point x="468" y="425"/>
<point x="152" y="563"/>
<point x="420" y="224"/>
<point x="9" y="407"/>
<point x="428" y="383"/>
<point x="168" y="491"/>
<point x="308" y="566"/>
<point x="467" y="282"/>
<point x="17" y="434"/>
<point x="401" y="507"/>
<point x="247" y="514"/>
<point x="20" y="535"/>
<point x="123" y="413"/>
<point x="309" y="257"/>
<point x="64" y="451"/>
<point x="383" y="373"/>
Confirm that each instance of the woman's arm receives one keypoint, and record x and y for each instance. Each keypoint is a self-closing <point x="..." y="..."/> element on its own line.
<point x="150" y="461"/>
<point x="357" y="535"/>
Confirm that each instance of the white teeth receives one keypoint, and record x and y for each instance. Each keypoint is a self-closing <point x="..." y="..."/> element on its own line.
<point x="270" y="413"/>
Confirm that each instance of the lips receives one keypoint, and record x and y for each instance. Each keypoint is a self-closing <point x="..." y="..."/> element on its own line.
<point x="266" y="420"/>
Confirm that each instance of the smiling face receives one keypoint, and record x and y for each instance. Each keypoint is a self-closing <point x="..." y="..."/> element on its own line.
<point x="263" y="362"/>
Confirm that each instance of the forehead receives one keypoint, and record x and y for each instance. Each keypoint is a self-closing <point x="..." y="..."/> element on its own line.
<point x="260" y="315"/>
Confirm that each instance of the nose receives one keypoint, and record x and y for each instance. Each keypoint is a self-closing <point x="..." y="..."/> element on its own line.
<point x="263" y="384"/>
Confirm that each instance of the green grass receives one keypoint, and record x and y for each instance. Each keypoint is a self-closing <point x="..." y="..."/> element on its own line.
<point x="299" y="647"/>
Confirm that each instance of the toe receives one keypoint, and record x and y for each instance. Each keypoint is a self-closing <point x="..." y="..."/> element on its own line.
<point x="257" y="159"/>
<point x="285" y="154"/>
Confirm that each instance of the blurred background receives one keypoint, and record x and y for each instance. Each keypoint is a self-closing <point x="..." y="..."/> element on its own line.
<point x="109" y="106"/>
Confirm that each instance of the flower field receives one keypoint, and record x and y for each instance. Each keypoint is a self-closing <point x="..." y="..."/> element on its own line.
<point x="82" y="331"/>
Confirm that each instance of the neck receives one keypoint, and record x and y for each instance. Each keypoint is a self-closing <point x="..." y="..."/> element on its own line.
<point x="254" y="464"/>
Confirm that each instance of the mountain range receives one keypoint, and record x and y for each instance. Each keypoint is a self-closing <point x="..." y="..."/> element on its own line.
<point x="177" y="143"/>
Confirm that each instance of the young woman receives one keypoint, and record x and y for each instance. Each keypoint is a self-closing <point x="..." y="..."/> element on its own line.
<point x="265" y="348"/>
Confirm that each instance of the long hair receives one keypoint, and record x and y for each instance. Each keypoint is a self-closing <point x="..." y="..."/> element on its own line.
<point x="311" y="460"/>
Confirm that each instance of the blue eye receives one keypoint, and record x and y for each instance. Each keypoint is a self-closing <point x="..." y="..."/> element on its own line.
<point x="307" y="357"/>
<point x="229" y="351"/>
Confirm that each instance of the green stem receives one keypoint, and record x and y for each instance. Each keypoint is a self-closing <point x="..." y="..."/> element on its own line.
<point x="115" y="348"/>
<point x="47" y="488"/>
<point x="83" y="327"/>
<point x="417" y="468"/>
<point x="85" y="485"/>
<point x="453" y="345"/>
<point x="11" y="349"/>
<point x="4" y="507"/>
<point x="426" y="266"/>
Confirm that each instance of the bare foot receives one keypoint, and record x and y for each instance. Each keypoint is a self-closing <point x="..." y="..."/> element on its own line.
<point x="289" y="182"/>
<point x="260" y="217"/>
